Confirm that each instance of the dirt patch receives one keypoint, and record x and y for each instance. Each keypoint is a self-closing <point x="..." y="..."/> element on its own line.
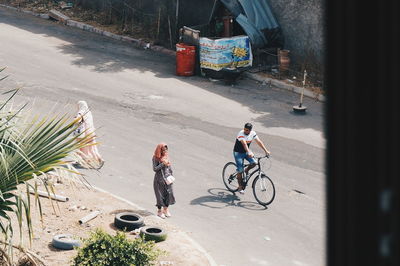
<point x="64" y="219"/>
<point x="297" y="81"/>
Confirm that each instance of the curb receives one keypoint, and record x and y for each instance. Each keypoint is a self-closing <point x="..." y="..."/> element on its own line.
<point x="285" y="86"/>
<point x="196" y="245"/>
<point x="41" y="15"/>
<point x="86" y="27"/>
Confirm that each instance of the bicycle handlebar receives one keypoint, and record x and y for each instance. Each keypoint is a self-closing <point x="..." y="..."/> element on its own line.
<point x="261" y="157"/>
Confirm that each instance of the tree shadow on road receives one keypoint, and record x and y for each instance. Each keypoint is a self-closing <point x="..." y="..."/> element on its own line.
<point x="101" y="53"/>
<point x="219" y="198"/>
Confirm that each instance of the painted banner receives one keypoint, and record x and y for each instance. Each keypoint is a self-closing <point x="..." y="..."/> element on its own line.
<point x="229" y="53"/>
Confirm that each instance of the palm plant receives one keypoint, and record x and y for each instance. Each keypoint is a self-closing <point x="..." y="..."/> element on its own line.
<point x="29" y="149"/>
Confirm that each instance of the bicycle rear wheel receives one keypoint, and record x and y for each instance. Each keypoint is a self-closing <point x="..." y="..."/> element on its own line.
<point x="229" y="177"/>
<point x="263" y="190"/>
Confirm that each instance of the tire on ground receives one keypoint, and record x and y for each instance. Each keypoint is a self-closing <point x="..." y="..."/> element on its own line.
<point x="65" y="241"/>
<point x="128" y="221"/>
<point x="155" y="233"/>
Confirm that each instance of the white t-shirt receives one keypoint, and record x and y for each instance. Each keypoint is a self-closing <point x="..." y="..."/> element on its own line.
<point x="248" y="138"/>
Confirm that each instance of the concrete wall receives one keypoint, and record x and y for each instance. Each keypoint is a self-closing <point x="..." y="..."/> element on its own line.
<point x="302" y="23"/>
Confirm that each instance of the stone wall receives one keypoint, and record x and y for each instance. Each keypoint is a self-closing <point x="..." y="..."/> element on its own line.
<point x="302" y="23"/>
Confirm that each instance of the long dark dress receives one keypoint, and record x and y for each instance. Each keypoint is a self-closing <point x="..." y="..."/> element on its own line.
<point x="164" y="193"/>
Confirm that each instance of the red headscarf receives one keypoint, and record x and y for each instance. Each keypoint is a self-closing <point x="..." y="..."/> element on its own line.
<point x="161" y="157"/>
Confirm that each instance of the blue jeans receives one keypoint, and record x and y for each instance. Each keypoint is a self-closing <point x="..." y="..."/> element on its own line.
<point x="239" y="159"/>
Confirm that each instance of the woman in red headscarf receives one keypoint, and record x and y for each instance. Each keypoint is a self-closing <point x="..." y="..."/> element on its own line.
<point x="164" y="193"/>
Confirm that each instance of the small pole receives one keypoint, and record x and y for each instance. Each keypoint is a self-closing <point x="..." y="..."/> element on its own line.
<point x="158" y="22"/>
<point x="304" y="84"/>
<point x="279" y="62"/>
<point x="170" y="34"/>
<point x="176" y="14"/>
<point x="300" y="108"/>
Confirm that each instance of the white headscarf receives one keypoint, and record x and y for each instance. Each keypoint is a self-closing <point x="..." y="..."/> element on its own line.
<point x="83" y="111"/>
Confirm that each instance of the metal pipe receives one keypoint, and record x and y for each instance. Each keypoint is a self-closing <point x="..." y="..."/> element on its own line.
<point x="46" y="194"/>
<point x="89" y="217"/>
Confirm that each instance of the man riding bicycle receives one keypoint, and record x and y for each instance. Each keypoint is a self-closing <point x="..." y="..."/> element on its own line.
<point x="242" y="151"/>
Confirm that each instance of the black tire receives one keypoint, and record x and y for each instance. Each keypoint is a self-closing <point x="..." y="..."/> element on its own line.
<point x="154" y="233"/>
<point x="128" y="221"/>
<point x="263" y="190"/>
<point x="229" y="177"/>
<point x="65" y="241"/>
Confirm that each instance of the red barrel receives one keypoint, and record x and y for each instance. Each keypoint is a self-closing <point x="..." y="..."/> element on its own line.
<point x="185" y="59"/>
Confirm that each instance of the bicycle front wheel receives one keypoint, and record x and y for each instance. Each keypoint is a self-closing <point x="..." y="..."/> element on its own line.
<point x="263" y="190"/>
<point x="229" y="177"/>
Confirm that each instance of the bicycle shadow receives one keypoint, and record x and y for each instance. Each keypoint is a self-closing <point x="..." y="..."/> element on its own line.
<point x="221" y="198"/>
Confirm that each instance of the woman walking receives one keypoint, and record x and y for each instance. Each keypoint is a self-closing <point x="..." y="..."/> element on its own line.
<point x="85" y="119"/>
<point x="164" y="193"/>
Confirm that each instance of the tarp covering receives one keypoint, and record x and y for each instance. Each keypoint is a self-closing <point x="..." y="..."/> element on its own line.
<point x="259" y="13"/>
<point x="225" y="53"/>
<point x="256" y="36"/>
<point x="257" y="20"/>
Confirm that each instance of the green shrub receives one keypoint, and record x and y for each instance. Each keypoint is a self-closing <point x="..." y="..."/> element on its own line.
<point x="102" y="248"/>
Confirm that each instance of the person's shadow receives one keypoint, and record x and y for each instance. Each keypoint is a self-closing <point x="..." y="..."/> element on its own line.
<point x="219" y="198"/>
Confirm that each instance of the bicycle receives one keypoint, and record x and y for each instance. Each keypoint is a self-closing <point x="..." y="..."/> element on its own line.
<point x="263" y="187"/>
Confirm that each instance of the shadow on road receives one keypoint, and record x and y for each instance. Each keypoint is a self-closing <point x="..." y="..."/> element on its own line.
<point x="101" y="53"/>
<point x="219" y="198"/>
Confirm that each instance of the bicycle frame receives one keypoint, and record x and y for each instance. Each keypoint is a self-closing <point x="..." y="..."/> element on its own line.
<point x="258" y="169"/>
<point x="262" y="185"/>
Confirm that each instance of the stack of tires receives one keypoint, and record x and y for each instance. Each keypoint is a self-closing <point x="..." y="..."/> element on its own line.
<point x="129" y="221"/>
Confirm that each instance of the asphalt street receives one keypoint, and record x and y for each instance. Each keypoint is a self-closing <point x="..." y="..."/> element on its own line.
<point x="137" y="101"/>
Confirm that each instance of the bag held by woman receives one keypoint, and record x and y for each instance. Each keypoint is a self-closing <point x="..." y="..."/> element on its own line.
<point x="169" y="179"/>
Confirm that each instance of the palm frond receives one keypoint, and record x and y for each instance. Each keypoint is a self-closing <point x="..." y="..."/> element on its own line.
<point x="31" y="146"/>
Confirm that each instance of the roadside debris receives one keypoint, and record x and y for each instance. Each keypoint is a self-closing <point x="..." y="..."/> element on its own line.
<point x="89" y="217"/>
<point x="66" y="5"/>
<point x="128" y="221"/>
<point x="73" y="208"/>
<point x="54" y="14"/>
<point x="51" y="195"/>
<point x="136" y="231"/>
<point x="154" y="233"/>
<point x="65" y="242"/>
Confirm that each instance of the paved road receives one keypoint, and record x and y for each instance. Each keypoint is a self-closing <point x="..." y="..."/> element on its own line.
<point x="137" y="102"/>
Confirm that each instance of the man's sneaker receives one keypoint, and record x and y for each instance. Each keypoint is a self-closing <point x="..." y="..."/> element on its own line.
<point x="241" y="191"/>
